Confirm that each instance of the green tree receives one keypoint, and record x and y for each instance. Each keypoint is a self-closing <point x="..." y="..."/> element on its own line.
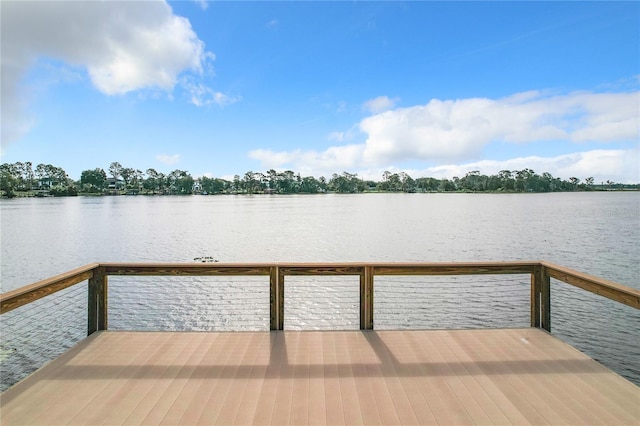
<point x="116" y="170"/>
<point x="28" y="174"/>
<point x="407" y="183"/>
<point x="272" y="180"/>
<point x="547" y="182"/>
<point x="473" y="181"/>
<point x="94" y="180"/>
<point x="427" y="184"/>
<point x="24" y="173"/>
<point x="49" y="176"/>
<point x="250" y="184"/>
<point x="286" y="182"/>
<point x="137" y="179"/>
<point x="506" y="180"/>
<point x="446" y="185"/>
<point x="309" y="185"/>
<point x="213" y="186"/>
<point x="40" y="172"/>
<point x="455" y="181"/>
<point x="151" y="182"/>
<point x="391" y="182"/>
<point x="394" y="182"/>
<point x="346" y="183"/>
<point x="237" y="183"/>
<point x="521" y="179"/>
<point x="8" y="179"/>
<point x="180" y="182"/>
<point x="574" y="181"/>
<point x="589" y="182"/>
<point x="128" y="175"/>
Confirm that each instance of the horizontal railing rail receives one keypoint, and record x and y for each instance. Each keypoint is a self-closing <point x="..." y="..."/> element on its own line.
<point x="602" y="287"/>
<point x="30" y="293"/>
<point x="97" y="276"/>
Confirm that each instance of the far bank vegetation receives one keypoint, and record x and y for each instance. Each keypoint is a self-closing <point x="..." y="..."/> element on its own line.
<point x="22" y="179"/>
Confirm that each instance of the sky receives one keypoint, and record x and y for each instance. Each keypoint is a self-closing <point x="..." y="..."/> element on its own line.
<point x="434" y="89"/>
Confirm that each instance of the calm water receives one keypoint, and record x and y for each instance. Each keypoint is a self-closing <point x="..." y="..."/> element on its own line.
<point x="597" y="233"/>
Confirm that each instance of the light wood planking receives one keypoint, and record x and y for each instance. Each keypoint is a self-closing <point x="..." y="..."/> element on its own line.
<point x="517" y="376"/>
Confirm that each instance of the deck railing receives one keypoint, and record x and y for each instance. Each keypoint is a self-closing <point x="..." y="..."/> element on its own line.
<point x="97" y="275"/>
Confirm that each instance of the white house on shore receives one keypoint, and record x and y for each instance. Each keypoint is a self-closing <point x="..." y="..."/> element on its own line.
<point x="115" y="184"/>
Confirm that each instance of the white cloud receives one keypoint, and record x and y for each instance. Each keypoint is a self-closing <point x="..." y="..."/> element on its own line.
<point x="168" y="159"/>
<point x="202" y="95"/>
<point x="124" y="46"/>
<point x="272" y="24"/>
<point x="337" y="158"/>
<point x="350" y="134"/>
<point x="273" y="160"/>
<point x="453" y="130"/>
<point x="616" y="165"/>
<point x="204" y="4"/>
<point x="379" y="104"/>
<point x="336" y="136"/>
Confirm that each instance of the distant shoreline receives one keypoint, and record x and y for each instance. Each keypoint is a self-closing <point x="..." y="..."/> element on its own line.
<point x="21" y="179"/>
<point x="32" y="194"/>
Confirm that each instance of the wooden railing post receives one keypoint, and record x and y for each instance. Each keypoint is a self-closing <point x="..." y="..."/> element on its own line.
<point x="97" y="309"/>
<point x="540" y="298"/>
<point x="545" y="298"/>
<point x="535" y="296"/>
<point x="276" y="298"/>
<point x="92" y="307"/>
<point x="280" y="300"/>
<point x="366" y="299"/>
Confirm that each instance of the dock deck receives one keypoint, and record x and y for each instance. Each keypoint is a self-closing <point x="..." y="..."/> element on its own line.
<point x="505" y="376"/>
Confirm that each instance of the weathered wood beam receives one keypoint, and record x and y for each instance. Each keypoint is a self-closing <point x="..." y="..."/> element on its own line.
<point x="321" y="269"/>
<point x="98" y="303"/>
<point x="97" y="274"/>
<point x="535" y="296"/>
<point x="274" y="299"/>
<point x="462" y="268"/>
<point x="600" y="286"/>
<point x="24" y="295"/>
<point x="280" y="301"/>
<point x="187" y="269"/>
<point x="545" y="299"/>
<point x="366" y="299"/>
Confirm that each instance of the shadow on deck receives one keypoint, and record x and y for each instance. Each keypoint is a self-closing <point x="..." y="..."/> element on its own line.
<point x="517" y="376"/>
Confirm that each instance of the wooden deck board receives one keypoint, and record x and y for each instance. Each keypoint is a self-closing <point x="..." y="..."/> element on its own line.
<point x="514" y="376"/>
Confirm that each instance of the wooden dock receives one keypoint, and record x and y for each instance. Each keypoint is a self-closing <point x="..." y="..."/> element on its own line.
<point x="513" y="376"/>
<point x="495" y="376"/>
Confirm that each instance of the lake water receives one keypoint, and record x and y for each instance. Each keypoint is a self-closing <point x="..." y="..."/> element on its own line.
<point x="597" y="233"/>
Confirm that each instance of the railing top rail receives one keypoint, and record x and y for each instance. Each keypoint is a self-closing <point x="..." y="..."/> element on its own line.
<point x="24" y="295"/>
<point x="125" y="268"/>
<point x="187" y="268"/>
<point x="600" y="286"/>
<point x="454" y="268"/>
<point x="21" y="296"/>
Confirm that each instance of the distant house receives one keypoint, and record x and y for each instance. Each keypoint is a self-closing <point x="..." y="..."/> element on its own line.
<point x="48" y="183"/>
<point x="115" y="184"/>
<point x="197" y="187"/>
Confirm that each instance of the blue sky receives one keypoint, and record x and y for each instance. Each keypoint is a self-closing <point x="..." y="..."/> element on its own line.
<point x="221" y="88"/>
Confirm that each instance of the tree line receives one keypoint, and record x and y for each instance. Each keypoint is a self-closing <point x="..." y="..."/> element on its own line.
<point x="52" y="180"/>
